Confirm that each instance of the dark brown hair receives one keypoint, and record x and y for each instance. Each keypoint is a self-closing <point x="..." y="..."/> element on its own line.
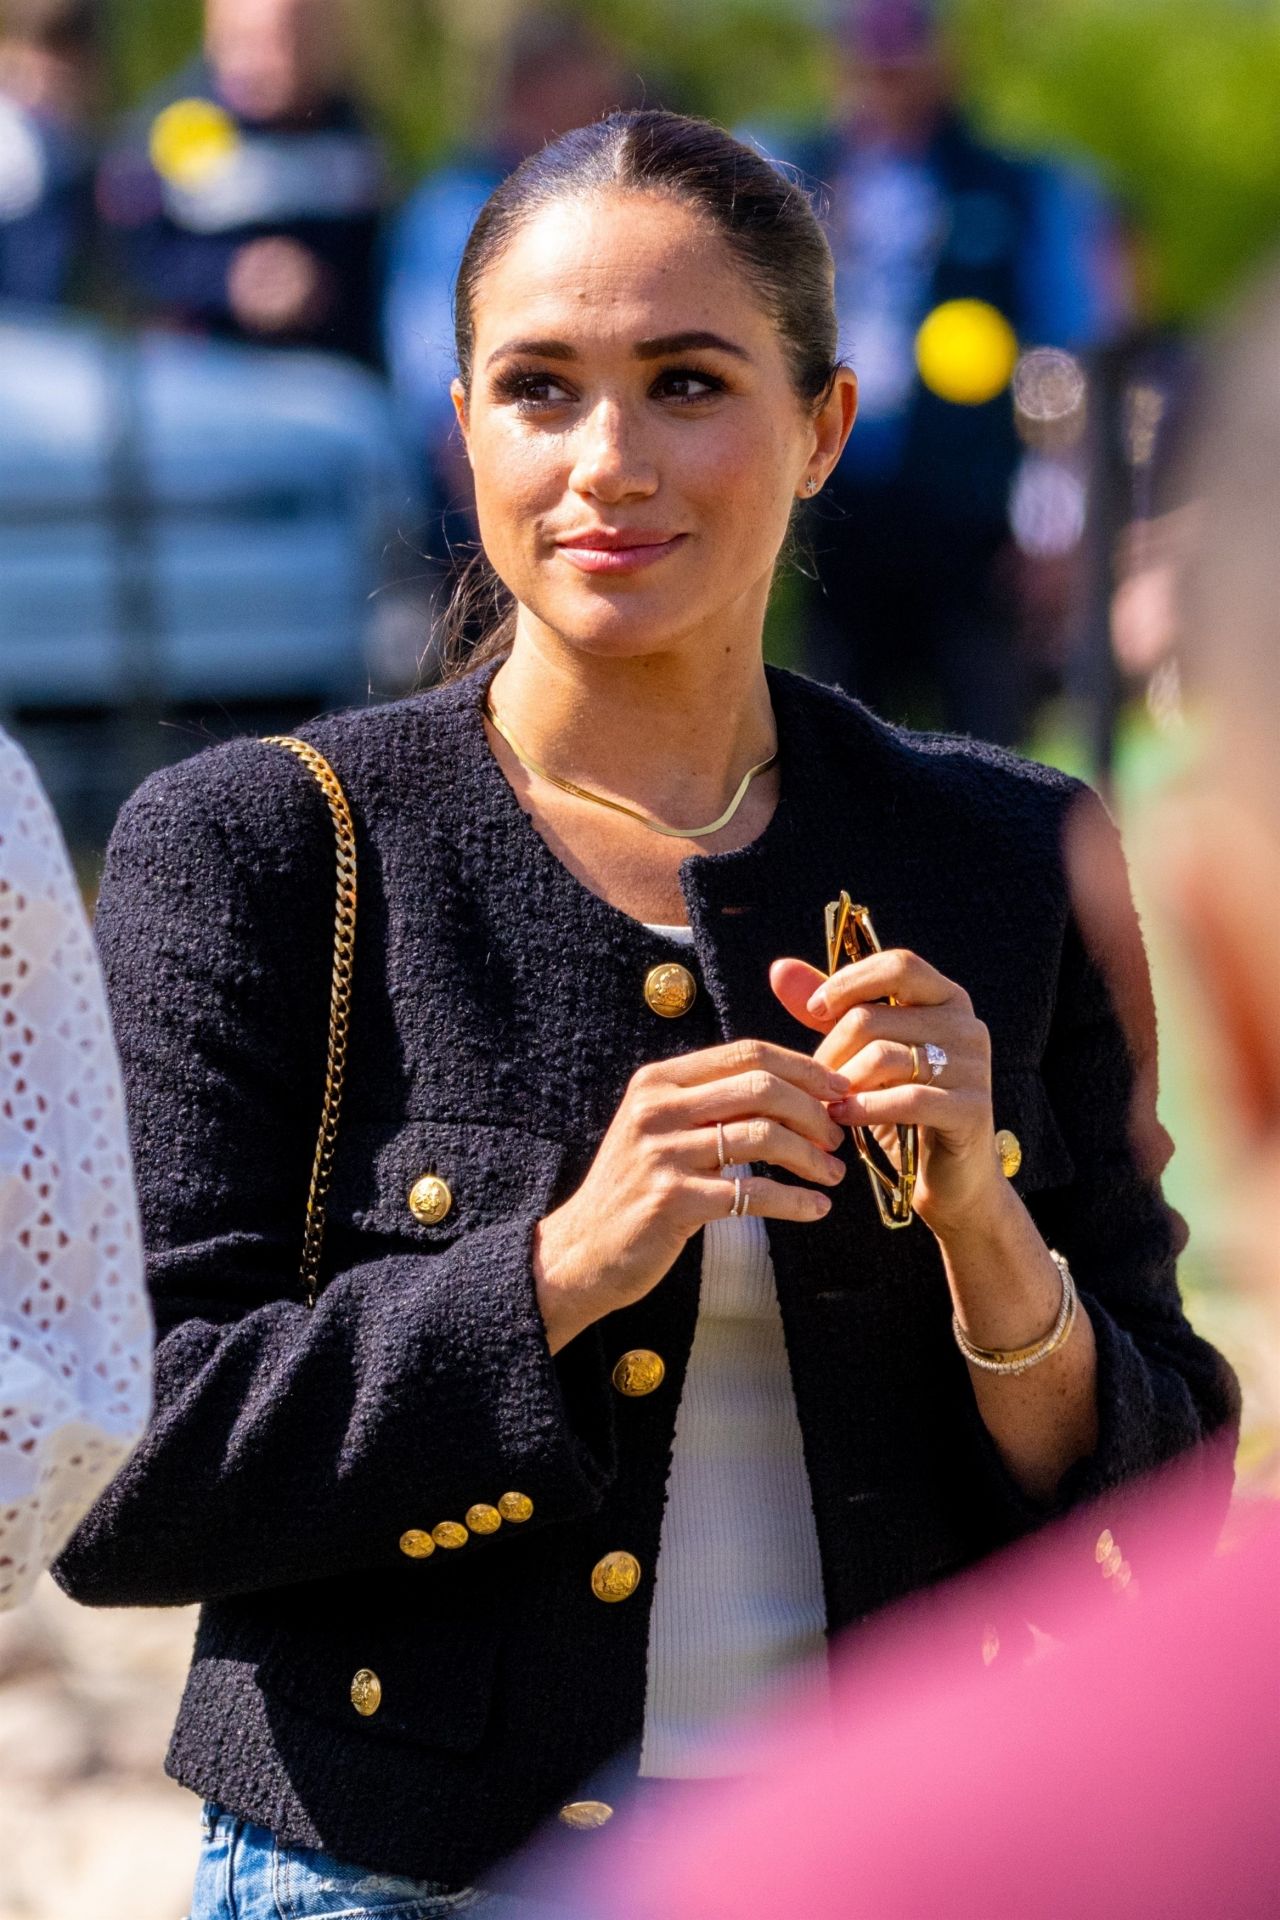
<point x="765" y="218"/>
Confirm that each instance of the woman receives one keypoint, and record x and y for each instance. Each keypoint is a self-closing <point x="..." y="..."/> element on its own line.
<point x="426" y="1518"/>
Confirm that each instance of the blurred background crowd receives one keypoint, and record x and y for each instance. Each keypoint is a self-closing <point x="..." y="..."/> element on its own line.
<point x="230" y="493"/>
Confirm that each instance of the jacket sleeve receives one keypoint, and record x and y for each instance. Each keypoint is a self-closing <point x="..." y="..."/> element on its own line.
<point x="287" y="1443"/>
<point x="1163" y="1392"/>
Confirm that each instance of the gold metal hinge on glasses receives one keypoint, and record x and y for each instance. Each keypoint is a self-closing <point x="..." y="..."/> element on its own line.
<point x="851" y="937"/>
<point x="344" y="950"/>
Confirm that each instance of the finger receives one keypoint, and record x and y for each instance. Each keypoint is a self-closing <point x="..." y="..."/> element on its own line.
<point x="767" y="1140"/>
<point x="738" y="1058"/>
<point x="888" y="1063"/>
<point x="752" y="1095"/>
<point x="794" y="982"/>
<point x="948" y="1113"/>
<point x="896" y="971"/>
<point x="884" y="1063"/>
<point x="954" y="1030"/>
<point x="767" y="1199"/>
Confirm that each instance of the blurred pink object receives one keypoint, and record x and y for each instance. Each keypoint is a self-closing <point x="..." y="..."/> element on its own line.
<point x="1132" y="1769"/>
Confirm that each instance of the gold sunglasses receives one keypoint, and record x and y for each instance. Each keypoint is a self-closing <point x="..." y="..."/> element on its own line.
<point x="851" y="936"/>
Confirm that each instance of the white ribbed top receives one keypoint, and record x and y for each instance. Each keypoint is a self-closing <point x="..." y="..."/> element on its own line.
<point x="738" y="1605"/>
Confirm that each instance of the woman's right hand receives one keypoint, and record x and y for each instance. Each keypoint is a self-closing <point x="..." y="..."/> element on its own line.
<point x="656" y="1179"/>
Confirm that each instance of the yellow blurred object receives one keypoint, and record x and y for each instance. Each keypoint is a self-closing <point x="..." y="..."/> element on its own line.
<point x="191" y="140"/>
<point x="966" y="352"/>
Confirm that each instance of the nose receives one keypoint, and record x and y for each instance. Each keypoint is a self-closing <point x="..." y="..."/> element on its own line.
<point x="610" y="462"/>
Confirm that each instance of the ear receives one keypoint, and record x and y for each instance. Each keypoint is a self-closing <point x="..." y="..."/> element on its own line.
<point x="458" y="395"/>
<point x="833" y="422"/>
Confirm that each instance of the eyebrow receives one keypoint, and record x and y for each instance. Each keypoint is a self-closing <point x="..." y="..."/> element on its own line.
<point x="659" y="349"/>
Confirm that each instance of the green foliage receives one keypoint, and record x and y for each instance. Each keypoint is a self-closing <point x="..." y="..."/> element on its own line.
<point x="1175" y="101"/>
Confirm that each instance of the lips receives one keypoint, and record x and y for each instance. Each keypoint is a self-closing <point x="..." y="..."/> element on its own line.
<point x="617" y="549"/>
<point x="615" y="539"/>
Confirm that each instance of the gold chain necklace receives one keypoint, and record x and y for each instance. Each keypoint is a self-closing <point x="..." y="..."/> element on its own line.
<point x="616" y="806"/>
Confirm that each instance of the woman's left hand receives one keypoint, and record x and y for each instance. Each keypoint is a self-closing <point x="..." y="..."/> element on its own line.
<point x="959" y="1183"/>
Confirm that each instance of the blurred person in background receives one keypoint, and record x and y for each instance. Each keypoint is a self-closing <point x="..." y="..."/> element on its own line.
<point x="48" y="74"/>
<point x="245" y="199"/>
<point x="1138" y="1763"/>
<point x="614" y="1396"/>
<point x="75" y="1328"/>
<point x="949" y="255"/>
<point x="559" y="71"/>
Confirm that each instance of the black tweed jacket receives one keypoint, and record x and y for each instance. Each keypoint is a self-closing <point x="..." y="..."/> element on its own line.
<point x="498" y="1015"/>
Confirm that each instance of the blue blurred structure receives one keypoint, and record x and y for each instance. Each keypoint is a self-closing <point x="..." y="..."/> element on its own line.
<point x="189" y="524"/>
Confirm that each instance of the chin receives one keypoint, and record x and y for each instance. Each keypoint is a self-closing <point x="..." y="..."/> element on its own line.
<point x="608" y="628"/>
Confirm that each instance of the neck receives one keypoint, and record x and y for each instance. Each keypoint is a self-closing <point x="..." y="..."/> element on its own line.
<point x="670" y="734"/>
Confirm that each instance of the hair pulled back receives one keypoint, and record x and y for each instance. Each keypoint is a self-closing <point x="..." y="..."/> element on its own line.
<point x="764" y="217"/>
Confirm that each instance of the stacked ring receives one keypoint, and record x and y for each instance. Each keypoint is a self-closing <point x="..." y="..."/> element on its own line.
<point x="741" y="1198"/>
<point x="721" y="1154"/>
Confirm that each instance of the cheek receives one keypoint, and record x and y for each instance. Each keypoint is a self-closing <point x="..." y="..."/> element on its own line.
<point x="739" y="475"/>
<point x="517" y="479"/>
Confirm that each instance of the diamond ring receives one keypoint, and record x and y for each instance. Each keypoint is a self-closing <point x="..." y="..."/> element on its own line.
<point x="937" y="1058"/>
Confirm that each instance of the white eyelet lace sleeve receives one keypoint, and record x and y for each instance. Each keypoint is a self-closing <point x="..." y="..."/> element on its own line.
<point x="75" y="1326"/>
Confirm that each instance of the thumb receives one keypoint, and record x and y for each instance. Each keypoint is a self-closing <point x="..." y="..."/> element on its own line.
<point x="793" y="981"/>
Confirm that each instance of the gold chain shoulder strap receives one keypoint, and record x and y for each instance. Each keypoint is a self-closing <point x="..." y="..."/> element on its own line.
<point x="344" y="950"/>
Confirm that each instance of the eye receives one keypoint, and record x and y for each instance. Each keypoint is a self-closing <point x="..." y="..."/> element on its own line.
<point x="531" y="392"/>
<point x="687" y="384"/>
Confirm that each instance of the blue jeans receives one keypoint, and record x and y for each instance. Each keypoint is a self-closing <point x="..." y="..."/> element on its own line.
<point x="244" y="1875"/>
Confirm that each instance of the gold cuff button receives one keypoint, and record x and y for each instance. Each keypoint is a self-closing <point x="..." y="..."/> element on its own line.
<point x="670" y="990"/>
<point x="450" y="1534"/>
<point x="483" y="1519"/>
<point x="639" y="1372"/>
<point x="417" y="1544"/>
<point x="366" y="1692"/>
<point x="430" y="1200"/>
<point x="516" y="1507"/>
<point x="1009" y="1147"/>
<point x="616" y="1577"/>
<point x="585" y="1815"/>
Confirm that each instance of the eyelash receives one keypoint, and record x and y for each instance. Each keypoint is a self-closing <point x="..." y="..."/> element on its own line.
<point x="520" y="388"/>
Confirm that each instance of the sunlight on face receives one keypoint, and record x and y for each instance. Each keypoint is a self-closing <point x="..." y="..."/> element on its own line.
<point x="636" y="440"/>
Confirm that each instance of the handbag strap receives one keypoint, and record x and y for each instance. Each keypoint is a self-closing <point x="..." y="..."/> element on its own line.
<point x="344" y="948"/>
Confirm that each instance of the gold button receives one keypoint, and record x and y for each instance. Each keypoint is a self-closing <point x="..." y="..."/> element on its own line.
<point x="417" y="1544"/>
<point x="430" y="1199"/>
<point x="483" y="1519"/>
<point x="586" y="1815"/>
<point x="670" y="989"/>
<point x="450" y="1534"/>
<point x="516" y="1507"/>
<point x="1105" y="1546"/>
<point x="639" y="1372"/>
<point x="1009" y="1147"/>
<point x="366" y="1692"/>
<point x="616" y="1577"/>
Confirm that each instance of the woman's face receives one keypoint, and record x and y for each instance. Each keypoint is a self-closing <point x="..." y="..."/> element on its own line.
<point x="636" y="441"/>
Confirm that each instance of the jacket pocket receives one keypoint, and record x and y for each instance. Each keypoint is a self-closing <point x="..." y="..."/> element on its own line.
<point x="428" y="1182"/>
<point x="429" y="1682"/>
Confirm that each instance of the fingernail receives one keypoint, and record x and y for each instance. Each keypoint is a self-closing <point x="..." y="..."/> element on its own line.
<point x="835" y="1170"/>
<point x="821" y="1203"/>
<point x="818" y="1001"/>
<point x="837" y="1086"/>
